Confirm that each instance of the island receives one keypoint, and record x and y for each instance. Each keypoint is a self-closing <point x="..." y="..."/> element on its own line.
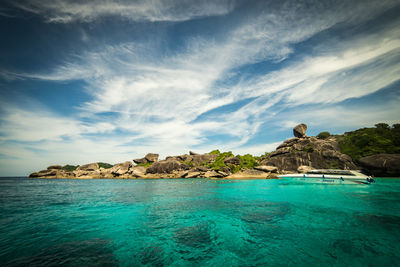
<point x="373" y="150"/>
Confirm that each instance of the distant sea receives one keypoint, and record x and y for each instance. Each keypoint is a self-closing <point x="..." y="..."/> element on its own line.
<point x="198" y="222"/>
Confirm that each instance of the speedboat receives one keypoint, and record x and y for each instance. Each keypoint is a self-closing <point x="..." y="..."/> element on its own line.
<point x="325" y="176"/>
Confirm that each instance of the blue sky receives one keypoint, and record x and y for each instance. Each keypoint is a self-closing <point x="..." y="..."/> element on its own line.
<point x="90" y="81"/>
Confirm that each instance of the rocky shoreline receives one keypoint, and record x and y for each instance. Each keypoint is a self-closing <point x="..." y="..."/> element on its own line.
<point x="298" y="154"/>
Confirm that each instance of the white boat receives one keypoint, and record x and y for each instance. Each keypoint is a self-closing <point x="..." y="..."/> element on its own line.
<point x="330" y="177"/>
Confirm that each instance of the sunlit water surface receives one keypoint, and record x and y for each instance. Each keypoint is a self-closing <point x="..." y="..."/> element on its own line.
<point x="198" y="222"/>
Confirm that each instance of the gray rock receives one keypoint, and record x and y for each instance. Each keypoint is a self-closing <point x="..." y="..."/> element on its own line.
<point x="54" y="167"/>
<point x="192" y="174"/>
<point x="140" y="161"/>
<point x="304" y="169"/>
<point x="266" y="168"/>
<point x="151" y="157"/>
<point x="280" y="151"/>
<point x="167" y="166"/>
<point x="232" y="160"/>
<point x="121" y="168"/>
<point x="382" y="164"/>
<point x="193" y="153"/>
<point x="204" y="158"/>
<point x="224" y="174"/>
<point x="308" y="151"/>
<point x="139" y="171"/>
<point x="187" y="158"/>
<point x="300" y="130"/>
<point x="88" y="167"/>
<point x="201" y="169"/>
<point x="212" y="173"/>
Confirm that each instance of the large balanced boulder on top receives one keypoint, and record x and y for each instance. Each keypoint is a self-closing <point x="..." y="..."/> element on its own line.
<point x="300" y="130"/>
<point x="382" y="164"/>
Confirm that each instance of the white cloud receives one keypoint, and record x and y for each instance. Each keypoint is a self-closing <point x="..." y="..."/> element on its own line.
<point x="65" y="11"/>
<point x="157" y="99"/>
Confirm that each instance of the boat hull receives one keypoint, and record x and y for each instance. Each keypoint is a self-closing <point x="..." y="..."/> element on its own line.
<point x="326" y="180"/>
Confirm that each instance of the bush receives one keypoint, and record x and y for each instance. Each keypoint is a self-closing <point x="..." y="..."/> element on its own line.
<point x="69" y="168"/>
<point x="323" y="135"/>
<point x="247" y="161"/>
<point x="309" y="149"/>
<point x="216" y="151"/>
<point x="219" y="163"/>
<point x="147" y="164"/>
<point x="104" y="165"/>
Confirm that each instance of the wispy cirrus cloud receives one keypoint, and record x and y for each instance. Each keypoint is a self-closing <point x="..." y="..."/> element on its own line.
<point x="161" y="101"/>
<point x="65" y="11"/>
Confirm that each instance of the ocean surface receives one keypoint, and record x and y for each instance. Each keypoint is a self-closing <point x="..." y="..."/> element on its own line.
<point x="198" y="222"/>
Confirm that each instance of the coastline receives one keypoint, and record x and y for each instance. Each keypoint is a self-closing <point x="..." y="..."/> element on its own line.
<point x="298" y="154"/>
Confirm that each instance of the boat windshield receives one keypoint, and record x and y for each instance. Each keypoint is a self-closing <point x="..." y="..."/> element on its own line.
<point x="337" y="172"/>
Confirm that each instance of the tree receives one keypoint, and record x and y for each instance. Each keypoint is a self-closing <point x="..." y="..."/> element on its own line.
<point x="396" y="126"/>
<point x="382" y="125"/>
<point x="323" y="135"/>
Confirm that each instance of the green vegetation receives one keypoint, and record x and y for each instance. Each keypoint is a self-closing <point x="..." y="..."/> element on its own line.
<point x="189" y="163"/>
<point x="323" y="135"/>
<point x="309" y="148"/>
<point x="370" y="141"/>
<point x="219" y="163"/>
<point x="104" y="165"/>
<point x="146" y="165"/>
<point x="69" y="168"/>
<point x="334" y="165"/>
<point x="260" y="158"/>
<point x="246" y="161"/>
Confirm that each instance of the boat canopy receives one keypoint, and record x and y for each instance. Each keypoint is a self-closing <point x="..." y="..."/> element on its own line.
<point x="337" y="172"/>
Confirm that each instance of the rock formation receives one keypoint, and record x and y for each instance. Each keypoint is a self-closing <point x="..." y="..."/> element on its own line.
<point x="300" y="130"/>
<point x="298" y="154"/>
<point x="308" y="151"/>
<point x="167" y="166"/>
<point x="149" y="158"/>
<point x="88" y="167"/>
<point x="382" y="164"/>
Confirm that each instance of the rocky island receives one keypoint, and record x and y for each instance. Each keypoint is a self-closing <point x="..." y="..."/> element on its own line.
<point x="298" y="154"/>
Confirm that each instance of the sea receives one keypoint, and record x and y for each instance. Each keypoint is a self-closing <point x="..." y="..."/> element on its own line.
<point x="198" y="222"/>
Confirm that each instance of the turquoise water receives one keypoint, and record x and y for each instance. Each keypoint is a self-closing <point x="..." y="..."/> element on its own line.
<point x="198" y="223"/>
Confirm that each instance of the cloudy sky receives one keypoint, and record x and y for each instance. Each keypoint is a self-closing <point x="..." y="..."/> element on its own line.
<point x="89" y="81"/>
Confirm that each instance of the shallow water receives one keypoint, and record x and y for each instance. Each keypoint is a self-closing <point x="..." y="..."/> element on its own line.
<point x="198" y="222"/>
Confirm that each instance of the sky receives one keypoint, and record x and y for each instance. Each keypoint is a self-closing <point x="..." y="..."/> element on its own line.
<point x="109" y="81"/>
